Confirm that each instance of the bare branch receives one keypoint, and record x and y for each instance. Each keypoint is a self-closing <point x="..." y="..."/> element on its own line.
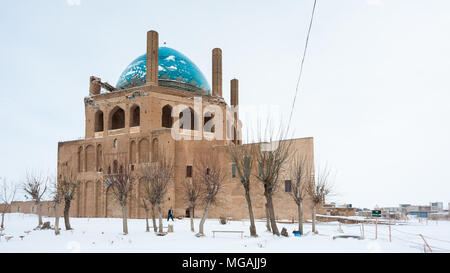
<point x="209" y="171"/>
<point x="120" y="182"/>
<point x="8" y="192"/>
<point x="156" y="177"/>
<point x="300" y="172"/>
<point x="321" y="186"/>
<point x="35" y="186"/>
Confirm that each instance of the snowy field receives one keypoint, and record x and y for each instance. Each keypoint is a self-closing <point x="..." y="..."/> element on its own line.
<point x="104" y="235"/>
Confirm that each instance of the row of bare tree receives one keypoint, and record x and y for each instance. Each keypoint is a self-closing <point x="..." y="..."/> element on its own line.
<point x="264" y="162"/>
<point x="204" y="186"/>
<point x="35" y="187"/>
<point x="156" y="178"/>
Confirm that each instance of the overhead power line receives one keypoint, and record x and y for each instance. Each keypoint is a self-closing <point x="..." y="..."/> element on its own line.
<point x="303" y="60"/>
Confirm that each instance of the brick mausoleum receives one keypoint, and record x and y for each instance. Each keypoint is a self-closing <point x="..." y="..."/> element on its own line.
<point x="134" y="119"/>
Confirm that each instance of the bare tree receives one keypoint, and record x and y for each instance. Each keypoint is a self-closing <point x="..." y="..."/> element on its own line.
<point x="300" y="172"/>
<point x="7" y="197"/>
<point x="146" y="205"/>
<point x="318" y="190"/>
<point x="269" y="229"/>
<point x="121" y="184"/>
<point x="146" y="176"/>
<point x="67" y="187"/>
<point x="157" y="177"/>
<point x="243" y="157"/>
<point x="271" y="157"/>
<point x="209" y="171"/>
<point x="35" y="187"/>
<point x="193" y="190"/>
<point x="57" y="198"/>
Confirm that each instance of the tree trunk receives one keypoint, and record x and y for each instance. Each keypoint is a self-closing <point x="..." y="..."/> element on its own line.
<point x="191" y="214"/>
<point x="3" y="220"/>
<point x="202" y="222"/>
<point x="250" y="213"/>
<point x="160" y="219"/>
<point x="66" y="215"/>
<point x="124" y="219"/>
<point x="56" y="219"/>
<point x="147" y="228"/>
<point x="39" y="211"/>
<point x="273" y="224"/>
<point x="268" y="219"/>
<point x="314" y="217"/>
<point x="155" y="228"/>
<point x="300" y="218"/>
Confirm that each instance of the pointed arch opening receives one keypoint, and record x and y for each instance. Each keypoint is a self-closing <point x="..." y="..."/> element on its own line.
<point x="155" y="150"/>
<point x="187" y="119"/>
<point x="99" y="158"/>
<point x="133" y="152"/>
<point x="166" y="117"/>
<point x="90" y="158"/>
<point x="144" y="151"/>
<point x="207" y="127"/>
<point x="117" y="118"/>
<point x="98" y="121"/>
<point x="135" y="116"/>
<point x="115" y="166"/>
<point x="80" y="159"/>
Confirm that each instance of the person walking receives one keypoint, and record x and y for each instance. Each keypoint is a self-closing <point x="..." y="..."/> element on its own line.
<point x="170" y="215"/>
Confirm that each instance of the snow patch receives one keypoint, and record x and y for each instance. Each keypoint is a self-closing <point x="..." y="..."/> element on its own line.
<point x="170" y="58"/>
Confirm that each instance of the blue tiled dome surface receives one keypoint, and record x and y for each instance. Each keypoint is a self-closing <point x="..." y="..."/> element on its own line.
<point x="174" y="70"/>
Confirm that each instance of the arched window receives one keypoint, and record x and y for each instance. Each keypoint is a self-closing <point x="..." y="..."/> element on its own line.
<point x="90" y="158"/>
<point x="188" y="113"/>
<point x="144" y="151"/>
<point x="229" y="130"/>
<point x="115" y="166"/>
<point x="99" y="158"/>
<point x="98" y="121"/>
<point x="207" y="117"/>
<point x="133" y="152"/>
<point x="80" y="159"/>
<point x="135" y="116"/>
<point x="166" y="117"/>
<point x="155" y="151"/>
<point x="117" y="120"/>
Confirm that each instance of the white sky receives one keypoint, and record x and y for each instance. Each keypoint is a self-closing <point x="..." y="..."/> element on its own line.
<point x="374" y="95"/>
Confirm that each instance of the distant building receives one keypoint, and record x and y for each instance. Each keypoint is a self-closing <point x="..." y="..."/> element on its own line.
<point x="419" y="211"/>
<point x="437" y="206"/>
<point x="392" y="212"/>
<point x="365" y="212"/>
<point x="339" y="210"/>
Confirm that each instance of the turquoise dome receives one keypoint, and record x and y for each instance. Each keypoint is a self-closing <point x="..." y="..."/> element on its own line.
<point x="175" y="70"/>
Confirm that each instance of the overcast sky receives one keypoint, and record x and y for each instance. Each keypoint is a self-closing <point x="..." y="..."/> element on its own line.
<point x="375" y="93"/>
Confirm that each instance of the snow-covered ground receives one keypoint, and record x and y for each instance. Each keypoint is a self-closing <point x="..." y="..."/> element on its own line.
<point x="104" y="235"/>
